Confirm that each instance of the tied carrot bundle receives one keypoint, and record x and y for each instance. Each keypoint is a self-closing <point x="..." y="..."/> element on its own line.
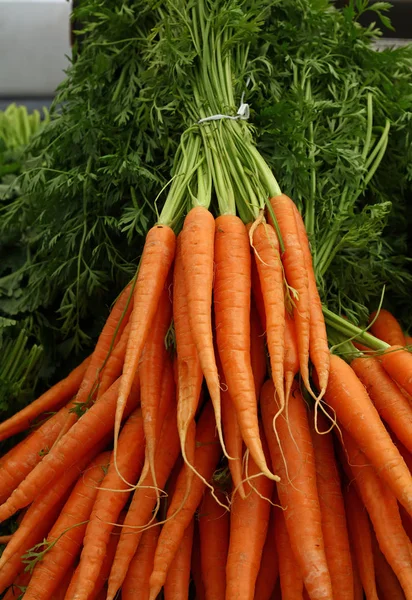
<point x="385" y="327"/>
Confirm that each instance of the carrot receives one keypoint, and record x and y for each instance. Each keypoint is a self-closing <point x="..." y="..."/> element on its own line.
<point x="85" y="433"/>
<point x="297" y="489"/>
<point x="66" y="536"/>
<point x="196" y="567"/>
<point x="318" y="339"/>
<point x="198" y="264"/>
<point x="291" y="363"/>
<point x="389" y="401"/>
<point x="249" y="520"/>
<point x="333" y="517"/>
<point x="406" y="521"/>
<point x="155" y="263"/>
<point x="143" y="501"/>
<point x="385" y="327"/>
<point x="60" y="593"/>
<point x="388" y="584"/>
<point x="357" y="583"/>
<point x="397" y="362"/>
<point x="361" y="541"/>
<point x="257" y="350"/>
<point x="109" y="504"/>
<point x="408" y="340"/>
<point x="176" y="586"/>
<point x="189" y="371"/>
<point x="269" y="565"/>
<point x="358" y="416"/>
<point x="18" y="586"/>
<point x="213" y="545"/>
<point x="269" y="266"/>
<point x="384" y="514"/>
<point x="183" y="505"/>
<point x="291" y="582"/>
<point x="114" y="365"/>
<point x="257" y="292"/>
<point x="293" y="260"/>
<point x="51" y="400"/>
<point x="136" y="583"/>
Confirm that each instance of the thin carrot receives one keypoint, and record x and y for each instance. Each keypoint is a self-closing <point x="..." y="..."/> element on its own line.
<point x="358" y="416"/>
<point x="361" y="541"/>
<point x="183" y="505"/>
<point x="136" y="583"/>
<point x="389" y="401"/>
<point x="293" y="260"/>
<point x="257" y="350"/>
<point x="85" y="433"/>
<point x="291" y="582"/>
<point x="51" y="400"/>
<point x="357" y="583"/>
<point x="198" y="237"/>
<point x="60" y="593"/>
<point x="176" y="586"/>
<point x="109" y="503"/>
<point x="397" y="362"/>
<point x="66" y="536"/>
<point x="297" y="489"/>
<point x="114" y="365"/>
<point x="384" y="514"/>
<point x="213" y="545"/>
<point x="18" y="586"/>
<point x="387" y="582"/>
<point x="385" y="327"/>
<point x="269" y="565"/>
<point x="291" y="363"/>
<point x="333" y="516"/>
<point x="196" y="568"/>
<point x="257" y="296"/>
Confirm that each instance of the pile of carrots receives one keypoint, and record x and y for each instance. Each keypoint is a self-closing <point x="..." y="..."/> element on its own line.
<point x="212" y="446"/>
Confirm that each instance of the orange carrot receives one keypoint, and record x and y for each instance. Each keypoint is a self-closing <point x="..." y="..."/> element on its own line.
<point x="60" y="593"/>
<point x="384" y="514"/>
<point x="291" y="363"/>
<point x="136" y="583"/>
<point x="333" y="517"/>
<point x="293" y="260"/>
<point x="249" y="520"/>
<point x="114" y="365"/>
<point x="198" y="264"/>
<point x="388" y="584"/>
<point x="51" y="400"/>
<point x="361" y="541"/>
<point x="183" y="505"/>
<point x="358" y="416"/>
<point x="269" y="266"/>
<point x="398" y="364"/>
<point x="389" y="401"/>
<point x="291" y="582"/>
<point x="257" y="350"/>
<point x="85" y="433"/>
<point x="18" y="586"/>
<point x="196" y="566"/>
<point x="213" y="545"/>
<point x="143" y="501"/>
<point x="176" y="586"/>
<point x="269" y="566"/>
<point x="357" y="583"/>
<point x="385" y="327"/>
<point x="109" y="504"/>
<point x="66" y="536"/>
<point x="297" y="488"/>
<point x="257" y="292"/>
<point x="157" y="258"/>
<point x="318" y="339"/>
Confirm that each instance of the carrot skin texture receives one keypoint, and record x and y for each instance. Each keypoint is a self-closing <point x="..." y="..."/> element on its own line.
<point x="196" y="567"/>
<point x="269" y="565"/>
<point x="291" y="364"/>
<point x="386" y="328"/>
<point x="387" y="582"/>
<point x="397" y="362"/>
<point x="49" y="573"/>
<point x="208" y="452"/>
<point x="90" y="428"/>
<point x="52" y="399"/>
<point x="136" y="583"/>
<point x="214" y="540"/>
<point x="177" y="582"/>
<point x="301" y="498"/>
<point x="358" y="416"/>
<point x="389" y="401"/>
<point x="291" y="582"/>
<point x="257" y="296"/>
<point x="257" y="350"/>
<point x="15" y="590"/>
<point x="114" y="365"/>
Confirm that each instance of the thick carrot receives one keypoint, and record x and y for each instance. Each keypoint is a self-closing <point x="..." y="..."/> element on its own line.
<point x="291" y="364"/>
<point x="318" y="339"/>
<point x="213" y="545"/>
<point x="198" y="238"/>
<point x="384" y="514"/>
<point x="155" y="263"/>
<point x="176" y="586"/>
<point x="196" y="567"/>
<point x="66" y="536"/>
<point x="332" y="509"/>
<point x="397" y="362"/>
<point x="387" y="582"/>
<point x="257" y="350"/>
<point x="85" y="433"/>
<point x="358" y="416"/>
<point x="183" y="505"/>
<point x="385" y="327"/>
<point x="291" y="582"/>
<point x="51" y="400"/>
<point x="143" y="501"/>
<point x="60" y="593"/>
<point x="269" y="566"/>
<point x="269" y="266"/>
<point x="293" y="260"/>
<point x="114" y="365"/>
<point x="136" y="583"/>
<point x="297" y="489"/>
<point x="389" y="401"/>
<point x="361" y="541"/>
<point x="109" y="503"/>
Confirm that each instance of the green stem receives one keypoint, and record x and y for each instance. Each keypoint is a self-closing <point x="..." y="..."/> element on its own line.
<point x="352" y="331"/>
<point x="369" y="127"/>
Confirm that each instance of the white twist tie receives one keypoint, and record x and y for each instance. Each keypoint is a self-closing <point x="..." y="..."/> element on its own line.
<point x="243" y="113"/>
